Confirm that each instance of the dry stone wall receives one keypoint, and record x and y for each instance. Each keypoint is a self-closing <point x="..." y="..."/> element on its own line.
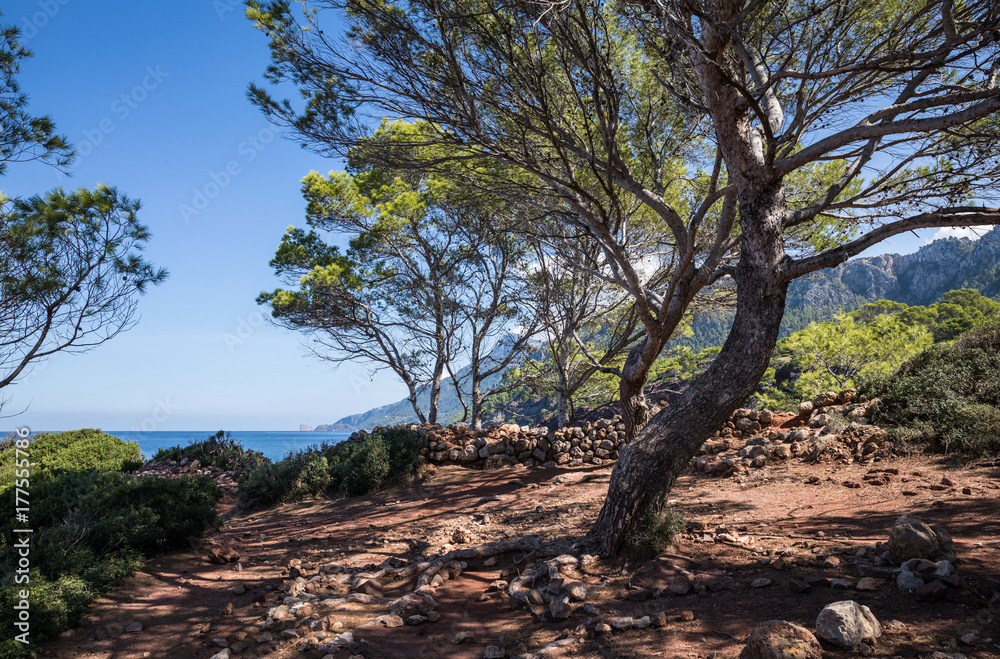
<point x="502" y="446"/>
<point x="750" y="439"/>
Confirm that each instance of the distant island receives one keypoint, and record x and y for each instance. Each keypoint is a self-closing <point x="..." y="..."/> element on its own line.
<point x="304" y="428"/>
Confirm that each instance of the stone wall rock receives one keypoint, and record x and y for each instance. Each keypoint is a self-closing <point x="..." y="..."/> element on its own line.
<point x="847" y="624"/>
<point x="778" y="639"/>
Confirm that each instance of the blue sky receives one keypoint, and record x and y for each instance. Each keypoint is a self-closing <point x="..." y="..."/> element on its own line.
<point x="153" y="97"/>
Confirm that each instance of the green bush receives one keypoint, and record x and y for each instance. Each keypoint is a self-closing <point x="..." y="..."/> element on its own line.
<point x="368" y="469"/>
<point x="110" y="510"/>
<point x="220" y="450"/>
<point x="76" y="450"/>
<point x="352" y="468"/>
<point x="655" y="532"/>
<point x="93" y="525"/>
<point x="55" y="605"/>
<point x="949" y="395"/>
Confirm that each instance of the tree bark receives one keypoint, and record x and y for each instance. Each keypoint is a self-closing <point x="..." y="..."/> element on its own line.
<point x="477" y="401"/>
<point x="635" y="407"/>
<point x="414" y="402"/>
<point x="563" y="394"/>
<point x="435" y="398"/>
<point x="647" y="467"/>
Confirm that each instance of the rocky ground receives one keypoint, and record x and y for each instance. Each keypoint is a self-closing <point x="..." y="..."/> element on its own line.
<point x="472" y="563"/>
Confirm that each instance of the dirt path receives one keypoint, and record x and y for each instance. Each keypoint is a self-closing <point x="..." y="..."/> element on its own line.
<point x="737" y="531"/>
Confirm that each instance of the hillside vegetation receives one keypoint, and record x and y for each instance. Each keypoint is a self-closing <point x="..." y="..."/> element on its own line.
<point x="864" y="348"/>
<point x="92" y="525"/>
<point x="949" y="395"/>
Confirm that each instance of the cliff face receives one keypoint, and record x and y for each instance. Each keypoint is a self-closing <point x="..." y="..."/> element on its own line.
<point x="919" y="278"/>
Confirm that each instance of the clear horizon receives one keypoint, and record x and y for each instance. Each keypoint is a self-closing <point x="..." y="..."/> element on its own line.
<point x="153" y="99"/>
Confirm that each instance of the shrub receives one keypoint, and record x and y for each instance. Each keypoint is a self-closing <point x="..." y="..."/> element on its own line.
<point x="93" y="526"/>
<point x="655" y="532"/>
<point x="220" y="450"/>
<point x="352" y="468"/>
<point x="368" y="469"/>
<point x="55" y="605"/>
<point x="110" y="510"/>
<point x="76" y="450"/>
<point x="949" y="395"/>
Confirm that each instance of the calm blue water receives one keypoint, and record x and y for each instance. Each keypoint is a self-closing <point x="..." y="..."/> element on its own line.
<point x="273" y="444"/>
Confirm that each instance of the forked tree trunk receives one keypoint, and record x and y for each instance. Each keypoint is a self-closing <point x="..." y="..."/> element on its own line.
<point x="647" y="467"/>
<point x="635" y="372"/>
<point x="635" y="407"/>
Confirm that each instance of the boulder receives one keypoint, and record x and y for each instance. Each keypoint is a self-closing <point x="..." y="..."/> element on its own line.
<point x="825" y="399"/>
<point x="223" y="554"/>
<point x="778" y="639"/>
<point x="909" y="538"/>
<point x="497" y="461"/>
<point x="847" y="624"/>
<point x="907" y="580"/>
<point x="798" y="435"/>
<point x="846" y="396"/>
<point x="560" y="609"/>
<point x="820" y="420"/>
<point x="867" y="583"/>
<point x="413" y="604"/>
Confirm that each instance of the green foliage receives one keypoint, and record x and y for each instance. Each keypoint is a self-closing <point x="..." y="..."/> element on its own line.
<point x="962" y="310"/>
<point x="55" y="605"/>
<point x="368" y="469"/>
<point x="75" y="450"/>
<point x="656" y="531"/>
<point x="375" y="462"/>
<point x="220" y="450"/>
<point x="835" y="355"/>
<point x="71" y="263"/>
<point x="957" y="312"/>
<point x="108" y="511"/>
<point x="682" y="364"/>
<point x="24" y="137"/>
<point x="93" y="525"/>
<point x="864" y="348"/>
<point x="949" y="395"/>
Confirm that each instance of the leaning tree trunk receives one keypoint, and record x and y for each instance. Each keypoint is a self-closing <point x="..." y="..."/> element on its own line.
<point x="414" y="401"/>
<point x="647" y="467"/>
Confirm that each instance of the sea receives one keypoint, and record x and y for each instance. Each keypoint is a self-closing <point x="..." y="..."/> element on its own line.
<point x="274" y="444"/>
